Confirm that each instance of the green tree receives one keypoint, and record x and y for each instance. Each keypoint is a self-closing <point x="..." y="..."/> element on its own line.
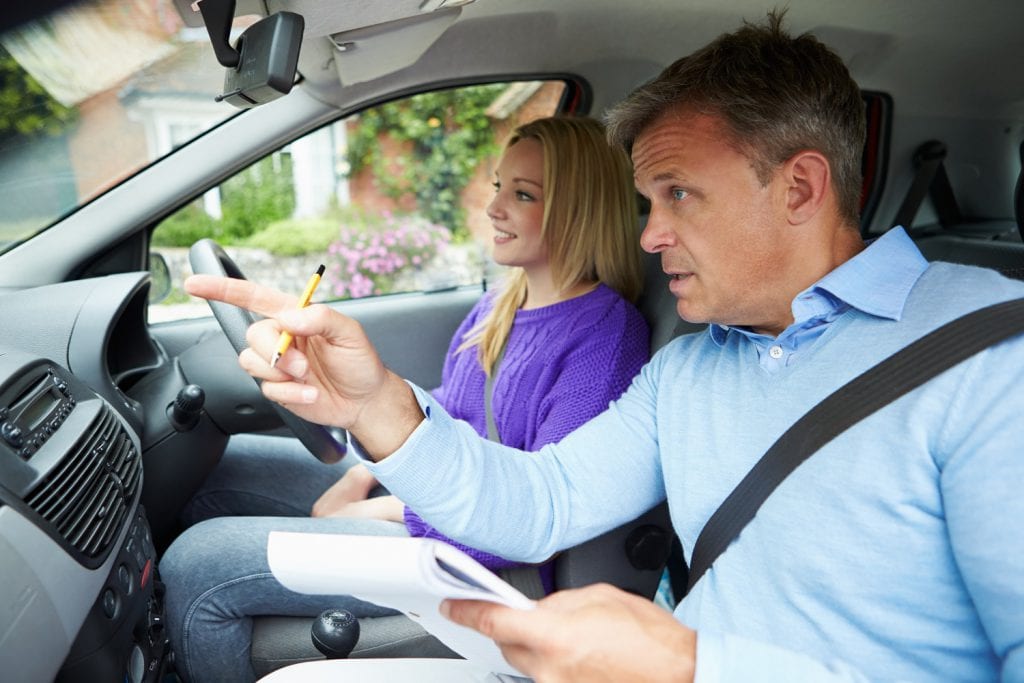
<point x="250" y="201"/>
<point x="26" y="109"/>
<point x="449" y="134"/>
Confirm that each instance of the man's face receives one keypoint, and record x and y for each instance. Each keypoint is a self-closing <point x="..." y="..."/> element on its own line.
<point x="722" y="236"/>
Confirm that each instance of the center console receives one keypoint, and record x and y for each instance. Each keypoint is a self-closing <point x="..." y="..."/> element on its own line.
<point x="74" y="540"/>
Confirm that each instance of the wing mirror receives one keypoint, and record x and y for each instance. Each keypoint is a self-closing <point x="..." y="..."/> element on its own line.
<point x="159" y="278"/>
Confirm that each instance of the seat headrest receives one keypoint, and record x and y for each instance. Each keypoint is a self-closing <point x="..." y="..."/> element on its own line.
<point x="1018" y="195"/>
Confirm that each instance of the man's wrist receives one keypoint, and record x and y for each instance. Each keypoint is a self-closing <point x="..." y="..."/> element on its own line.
<point x="386" y="422"/>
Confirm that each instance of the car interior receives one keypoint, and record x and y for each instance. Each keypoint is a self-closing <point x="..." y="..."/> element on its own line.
<point x="118" y="395"/>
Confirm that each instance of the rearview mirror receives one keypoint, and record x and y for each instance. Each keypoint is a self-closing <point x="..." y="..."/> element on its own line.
<point x="268" y="52"/>
<point x="261" y="65"/>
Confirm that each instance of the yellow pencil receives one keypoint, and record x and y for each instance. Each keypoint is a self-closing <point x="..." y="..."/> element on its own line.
<point x="285" y="340"/>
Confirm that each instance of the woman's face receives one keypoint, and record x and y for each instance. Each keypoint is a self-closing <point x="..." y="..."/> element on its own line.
<point x="517" y="210"/>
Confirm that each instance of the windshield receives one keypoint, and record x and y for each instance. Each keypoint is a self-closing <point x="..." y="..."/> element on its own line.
<point x="91" y="95"/>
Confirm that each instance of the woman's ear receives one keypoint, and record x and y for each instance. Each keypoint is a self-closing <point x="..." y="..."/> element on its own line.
<point x="808" y="180"/>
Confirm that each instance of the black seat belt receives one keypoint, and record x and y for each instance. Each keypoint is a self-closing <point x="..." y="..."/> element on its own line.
<point x="882" y="384"/>
<point x="1018" y="196"/>
<point x="929" y="179"/>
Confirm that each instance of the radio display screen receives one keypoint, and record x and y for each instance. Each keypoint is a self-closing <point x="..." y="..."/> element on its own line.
<point x="33" y="414"/>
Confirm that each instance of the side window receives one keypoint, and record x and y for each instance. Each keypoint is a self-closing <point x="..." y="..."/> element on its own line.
<point x="390" y="200"/>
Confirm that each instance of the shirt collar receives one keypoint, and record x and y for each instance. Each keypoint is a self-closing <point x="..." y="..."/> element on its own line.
<point x="876" y="281"/>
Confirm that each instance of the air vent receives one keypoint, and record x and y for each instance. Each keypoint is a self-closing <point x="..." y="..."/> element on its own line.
<point x="86" y="497"/>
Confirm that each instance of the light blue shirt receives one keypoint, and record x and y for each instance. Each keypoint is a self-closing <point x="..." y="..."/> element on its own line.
<point x="896" y="552"/>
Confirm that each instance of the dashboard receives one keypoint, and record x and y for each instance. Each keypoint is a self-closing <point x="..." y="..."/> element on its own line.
<point x="94" y="466"/>
<point x="76" y="546"/>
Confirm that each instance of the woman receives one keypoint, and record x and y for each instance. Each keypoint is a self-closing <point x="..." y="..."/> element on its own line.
<point x="560" y="340"/>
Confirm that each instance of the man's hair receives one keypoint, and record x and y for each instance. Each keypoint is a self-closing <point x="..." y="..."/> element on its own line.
<point x="775" y="95"/>
<point x="589" y="224"/>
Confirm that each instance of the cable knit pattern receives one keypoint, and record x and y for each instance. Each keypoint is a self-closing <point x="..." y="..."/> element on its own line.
<point x="563" y="364"/>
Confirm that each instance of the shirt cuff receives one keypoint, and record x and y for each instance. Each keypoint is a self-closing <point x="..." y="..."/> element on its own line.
<point x="394" y="461"/>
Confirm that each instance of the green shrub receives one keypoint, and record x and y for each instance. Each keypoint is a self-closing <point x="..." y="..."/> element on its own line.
<point x="184" y="227"/>
<point x="251" y="201"/>
<point x="295" y="237"/>
<point x="255" y="198"/>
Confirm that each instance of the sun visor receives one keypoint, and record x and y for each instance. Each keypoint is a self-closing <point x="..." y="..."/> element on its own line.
<point x="364" y="54"/>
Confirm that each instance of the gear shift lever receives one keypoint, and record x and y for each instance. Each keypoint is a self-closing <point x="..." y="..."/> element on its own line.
<point x="183" y="414"/>
<point x="335" y="633"/>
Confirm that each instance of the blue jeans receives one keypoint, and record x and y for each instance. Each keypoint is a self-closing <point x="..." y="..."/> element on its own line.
<point x="216" y="572"/>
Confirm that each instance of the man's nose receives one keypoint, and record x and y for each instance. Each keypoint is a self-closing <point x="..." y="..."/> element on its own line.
<point x="657" y="234"/>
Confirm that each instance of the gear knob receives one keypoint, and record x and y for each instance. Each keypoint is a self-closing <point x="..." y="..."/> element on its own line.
<point x="335" y="633"/>
<point x="184" y="413"/>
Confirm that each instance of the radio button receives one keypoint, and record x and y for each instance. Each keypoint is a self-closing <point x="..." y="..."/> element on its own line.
<point x="110" y="603"/>
<point x="12" y="434"/>
<point x="124" y="578"/>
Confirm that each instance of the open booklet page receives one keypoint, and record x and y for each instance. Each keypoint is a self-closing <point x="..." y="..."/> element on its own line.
<point x="412" y="575"/>
<point x="386" y="671"/>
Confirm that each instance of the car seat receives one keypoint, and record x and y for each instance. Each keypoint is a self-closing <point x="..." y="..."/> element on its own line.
<point x="991" y="243"/>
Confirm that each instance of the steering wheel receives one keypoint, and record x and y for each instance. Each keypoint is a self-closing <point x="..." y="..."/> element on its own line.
<point x="207" y="257"/>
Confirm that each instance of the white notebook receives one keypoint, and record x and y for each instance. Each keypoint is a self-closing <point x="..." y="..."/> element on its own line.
<point x="412" y="575"/>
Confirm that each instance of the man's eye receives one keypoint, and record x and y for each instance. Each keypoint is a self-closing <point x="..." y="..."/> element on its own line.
<point x="679" y="194"/>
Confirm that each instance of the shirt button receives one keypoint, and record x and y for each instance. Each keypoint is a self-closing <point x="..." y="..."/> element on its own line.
<point x="775" y="352"/>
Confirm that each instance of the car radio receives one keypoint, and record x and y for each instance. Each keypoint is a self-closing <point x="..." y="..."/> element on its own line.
<point x="33" y="409"/>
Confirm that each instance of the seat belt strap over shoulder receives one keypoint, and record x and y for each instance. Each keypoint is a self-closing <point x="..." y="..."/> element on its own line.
<point x="525" y="579"/>
<point x="492" y="426"/>
<point x="882" y="384"/>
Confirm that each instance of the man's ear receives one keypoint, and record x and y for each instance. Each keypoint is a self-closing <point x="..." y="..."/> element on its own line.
<point x="808" y="180"/>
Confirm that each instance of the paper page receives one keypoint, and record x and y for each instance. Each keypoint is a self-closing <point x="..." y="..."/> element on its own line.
<point x="383" y="671"/>
<point x="401" y="573"/>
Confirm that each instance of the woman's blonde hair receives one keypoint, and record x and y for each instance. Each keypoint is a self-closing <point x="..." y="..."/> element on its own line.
<point x="589" y="224"/>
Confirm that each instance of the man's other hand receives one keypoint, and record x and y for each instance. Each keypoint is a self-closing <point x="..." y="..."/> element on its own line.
<point x="597" y="633"/>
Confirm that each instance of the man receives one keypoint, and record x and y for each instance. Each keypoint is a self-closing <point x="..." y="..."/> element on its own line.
<point x="894" y="552"/>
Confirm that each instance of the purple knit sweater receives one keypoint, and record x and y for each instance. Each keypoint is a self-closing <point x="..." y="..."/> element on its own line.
<point x="563" y="364"/>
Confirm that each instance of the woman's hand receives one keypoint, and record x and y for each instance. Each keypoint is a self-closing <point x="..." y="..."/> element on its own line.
<point x="354" y="486"/>
<point x="387" y="508"/>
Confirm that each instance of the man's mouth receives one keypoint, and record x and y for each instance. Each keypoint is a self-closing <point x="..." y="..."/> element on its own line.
<point x="677" y="282"/>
